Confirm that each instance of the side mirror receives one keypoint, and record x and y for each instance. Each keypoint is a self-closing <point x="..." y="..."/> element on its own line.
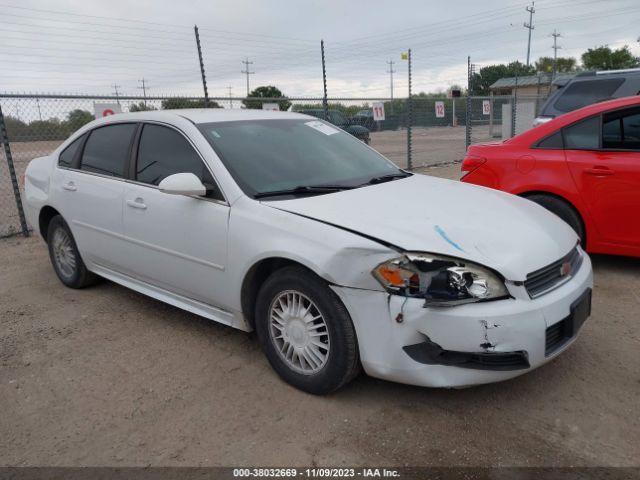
<point x="182" y="184"/>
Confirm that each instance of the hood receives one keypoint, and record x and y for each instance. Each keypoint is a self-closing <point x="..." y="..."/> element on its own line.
<point x="509" y="234"/>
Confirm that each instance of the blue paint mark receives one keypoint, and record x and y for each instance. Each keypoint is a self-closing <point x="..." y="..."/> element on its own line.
<point x="443" y="234"/>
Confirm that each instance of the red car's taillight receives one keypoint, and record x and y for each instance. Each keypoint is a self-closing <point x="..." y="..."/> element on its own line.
<point x="471" y="162"/>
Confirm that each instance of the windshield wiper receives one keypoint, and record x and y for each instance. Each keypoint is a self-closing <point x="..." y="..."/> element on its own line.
<point x="304" y="190"/>
<point x="387" y="178"/>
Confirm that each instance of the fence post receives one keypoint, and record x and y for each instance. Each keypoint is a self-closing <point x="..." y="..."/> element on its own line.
<point x="514" y="107"/>
<point x="467" y="113"/>
<point x="325" y="104"/>
<point x="409" y="115"/>
<point x="4" y="138"/>
<point x="204" y="78"/>
<point x="491" y="114"/>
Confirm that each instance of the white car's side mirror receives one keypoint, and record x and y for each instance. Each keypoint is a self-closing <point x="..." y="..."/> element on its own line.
<point x="182" y="184"/>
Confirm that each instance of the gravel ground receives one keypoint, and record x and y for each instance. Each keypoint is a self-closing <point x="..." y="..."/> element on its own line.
<point x="105" y="376"/>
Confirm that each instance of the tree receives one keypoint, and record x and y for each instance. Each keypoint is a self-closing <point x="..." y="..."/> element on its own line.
<point x="176" y="103"/>
<point x="266" y="92"/>
<point x="603" y="58"/>
<point x="487" y="76"/>
<point x="77" y="118"/>
<point x="140" y="107"/>
<point x="563" y="64"/>
<point x="17" y="130"/>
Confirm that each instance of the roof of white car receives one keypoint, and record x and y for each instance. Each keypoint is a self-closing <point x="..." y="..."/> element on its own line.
<point x="205" y="115"/>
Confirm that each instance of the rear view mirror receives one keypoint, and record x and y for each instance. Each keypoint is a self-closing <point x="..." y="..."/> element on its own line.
<point x="182" y="184"/>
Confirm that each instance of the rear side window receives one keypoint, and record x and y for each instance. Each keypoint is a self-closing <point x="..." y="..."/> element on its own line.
<point x="621" y="130"/>
<point x="68" y="154"/>
<point x="163" y="152"/>
<point x="584" y="135"/>
<point x="580" y="94"/>
<point x="107" y="149"/>
<point x="552" y="142"/>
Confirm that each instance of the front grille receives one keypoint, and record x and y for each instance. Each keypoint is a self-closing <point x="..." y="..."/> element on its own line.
<point x="552" y="276"/>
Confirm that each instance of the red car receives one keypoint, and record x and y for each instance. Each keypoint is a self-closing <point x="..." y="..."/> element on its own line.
<point x="583" y="166"/>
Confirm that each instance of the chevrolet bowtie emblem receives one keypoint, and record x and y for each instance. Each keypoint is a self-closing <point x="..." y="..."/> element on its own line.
<point x="565" y="269"/>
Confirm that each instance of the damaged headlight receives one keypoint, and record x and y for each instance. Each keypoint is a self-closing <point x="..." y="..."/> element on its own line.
<point x="441" y="281"/>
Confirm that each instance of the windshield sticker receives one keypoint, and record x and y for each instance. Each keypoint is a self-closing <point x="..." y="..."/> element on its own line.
<point x="322" y="127"/>
<point x="215" y="134"/>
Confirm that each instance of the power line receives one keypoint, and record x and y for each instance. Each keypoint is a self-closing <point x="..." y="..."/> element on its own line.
<point x="529" y="26"/>
<point x="246" y="63"/>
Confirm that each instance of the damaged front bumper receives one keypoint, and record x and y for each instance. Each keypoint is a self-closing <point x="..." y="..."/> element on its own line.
<point x="401" y="340"/>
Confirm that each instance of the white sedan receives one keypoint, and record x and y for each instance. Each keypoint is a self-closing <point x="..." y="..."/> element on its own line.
<point x="283" y="224"/>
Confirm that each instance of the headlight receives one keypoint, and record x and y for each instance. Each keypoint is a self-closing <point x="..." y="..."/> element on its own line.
<point x="441" y="281"/>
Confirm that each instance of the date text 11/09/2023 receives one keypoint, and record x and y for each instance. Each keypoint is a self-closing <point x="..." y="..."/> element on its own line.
<point x="315" y="473"/>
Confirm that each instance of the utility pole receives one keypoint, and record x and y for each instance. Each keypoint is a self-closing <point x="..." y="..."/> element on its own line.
<point x="530" y="26"/>
<point x="391" y="71"/>
<point x="246" y="63"/>
<point x="204" y="78"/>
<point x="144" y="88"/>
<point x="555" y="36"/>
<point x="230" y="98"/>
<point x="116" y="93"/>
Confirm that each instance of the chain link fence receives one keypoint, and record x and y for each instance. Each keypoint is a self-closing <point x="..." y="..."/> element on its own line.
<point x="440" y="127"/>
<point x="496" y="118"/>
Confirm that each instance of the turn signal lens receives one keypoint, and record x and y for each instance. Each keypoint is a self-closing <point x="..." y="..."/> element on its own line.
<point x="393" y="276"/>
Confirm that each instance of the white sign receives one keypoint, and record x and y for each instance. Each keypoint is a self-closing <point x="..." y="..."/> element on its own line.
<point x="378" y="111"/>
<point x="439" y="109"/>
<point x="321" y="127"/>
<point x="486" y="107"/>
<point x="271" y="106"/>
<point x="106" y="109"/>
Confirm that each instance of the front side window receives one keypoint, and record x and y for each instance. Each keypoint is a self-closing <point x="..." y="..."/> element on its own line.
<point x="584" y="135"/>
<point x="580" y="94"/>
<point x="107" y="149"/>
<point x="68" y="154"/>
<point x="271" y="155"/>
<point x="163" y="152"/>
<point x="621" y="130"/>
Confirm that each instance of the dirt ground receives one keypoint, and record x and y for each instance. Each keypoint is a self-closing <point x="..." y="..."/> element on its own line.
<point x="106" y="376"/>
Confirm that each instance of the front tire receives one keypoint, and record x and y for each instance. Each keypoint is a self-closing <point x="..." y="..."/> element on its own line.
<point x="65" y="257"/>
<point x="306" y="332"/>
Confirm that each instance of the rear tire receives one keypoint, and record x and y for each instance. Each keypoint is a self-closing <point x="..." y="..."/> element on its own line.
<point x="65" y="257"/>
<point x="563" y="210"/>
<point x="306" y="332"/>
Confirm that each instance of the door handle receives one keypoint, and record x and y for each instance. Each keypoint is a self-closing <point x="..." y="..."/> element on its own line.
<point x="137" y="203"/>
<point x="70" y="186"/>
<point x="599" y="171"/>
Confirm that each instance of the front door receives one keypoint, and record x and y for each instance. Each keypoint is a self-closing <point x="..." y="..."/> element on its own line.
<point x="177" y="242"/>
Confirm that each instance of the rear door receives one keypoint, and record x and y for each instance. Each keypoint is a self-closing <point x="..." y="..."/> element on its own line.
<point x="603" y="153"/>
<point x="178" y="243"/>
<point x="89" y="190"/>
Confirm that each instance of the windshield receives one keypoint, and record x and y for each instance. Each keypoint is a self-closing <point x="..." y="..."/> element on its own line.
<point x="273" y="155"/>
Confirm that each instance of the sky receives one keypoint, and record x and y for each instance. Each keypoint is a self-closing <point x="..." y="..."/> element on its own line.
<point x="88" y="46"/>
